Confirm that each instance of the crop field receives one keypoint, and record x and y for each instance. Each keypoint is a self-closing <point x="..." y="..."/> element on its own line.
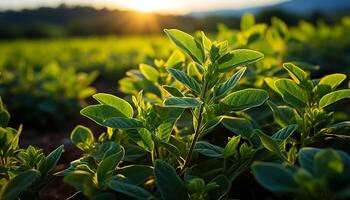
<point x="257" y="112"/>
<point x="107" y="54"/>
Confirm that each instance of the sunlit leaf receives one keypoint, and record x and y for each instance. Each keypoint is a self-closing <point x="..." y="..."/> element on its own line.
<point x="185" y="79"/>
<point x="187" y="44"/>
<point x="149" y="72"/>
<point x="182" y="102"/>
<point x="118" y="103"/>
<point x="82" y="137"/>
<point x="333" y="97"/>
<point x="245" y="99"/>
<point x="291" y="93"/>
<point x="238" y="57"/>
<point x="227" y="86"/>
<point x="123" y="123"/>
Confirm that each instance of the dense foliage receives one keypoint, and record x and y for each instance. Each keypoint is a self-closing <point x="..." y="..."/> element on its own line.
<point x="195" y="122"/>
<point x="163" y="147"/>
<point x="23" y="172"/>
<point x="51" y="79"/>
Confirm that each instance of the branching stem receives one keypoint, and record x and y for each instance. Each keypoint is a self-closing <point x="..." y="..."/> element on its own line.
<point x="197" y="131"/>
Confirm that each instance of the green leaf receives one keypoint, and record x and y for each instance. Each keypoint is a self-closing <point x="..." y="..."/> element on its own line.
<point x="118" y="103"/>
<point x="211" y="124"/>
<point x="337" y="128"/>
<point x="165" y="129"/>
<point x="141" y="137"/>
<point x="297" y="74"/>
<point x="270" y="81"/>
<point x="247" y="21"/>
<point x="280" y="25"/>
<point x="173" y="91"/>
<point x="133" y="152"/>
<point x="185" y="79"/>
<point x="182" y="102"/>
<point x="193" y="70"/>
<point x="106" y="149"/>
<point x="268" y="142"/>
<point x="333" y="97"/>
<point x="149" y="72"/>
<point x="228" y="85"/>
<point x="18" y="184"/>
<point x="175" y="60"/>
<point x="285" y="133"/>
<point x="239" y="126"/>
<point x="106" y="165"/>
<point x="222" y="46"/>
<point x="51" y="161"/>
<point x="231" y="146"/>
<point x="123" y="123"/>
<point x="169" y="147"/>
<point x="208" y="149"/>
<point x="328" y="164"/>
<point x="206" y="41"/>
<point x="4" y="118"/>
<point x="130" y="190"/>
<point x="244" y="99"/>
<point x="179" y="144"/>
<point x="291" y="93"/>
<point x="99" y="113"/>
<point x="332" y="80"/>
<point x="283" y="115"/>
<point x="135" y="174"/>
<point x="274" y="177"/>
<point x="238" y="57"/>
<point x="82" y="137"/>
<point x="187" y="44"/>
<point x="306" y="158"/>
<point x="305" y="181"/>
<point x="195" y="184"/>
<point x="13" y="137"/>
<point x="170" y="185"/>
<point x="81" y="181"/>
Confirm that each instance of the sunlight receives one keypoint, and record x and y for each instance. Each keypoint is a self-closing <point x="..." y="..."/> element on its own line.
<point x="149" y="5"/>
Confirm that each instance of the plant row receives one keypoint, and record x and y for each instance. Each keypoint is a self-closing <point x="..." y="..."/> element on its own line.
<point x="169" y="141"/>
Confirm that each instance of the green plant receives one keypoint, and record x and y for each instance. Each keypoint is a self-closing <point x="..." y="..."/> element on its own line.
<point x="23" y="172"/>
<point x="51" y="94"/>
<point x="325" y="45"/>
<point x="168" y="142"/>
<point x="271" y="40"/>
<point x="159" y="128"/>
<point x="308" y="103"/>
<point x="322" y="174"/>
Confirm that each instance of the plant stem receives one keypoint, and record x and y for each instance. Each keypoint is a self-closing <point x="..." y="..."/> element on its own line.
<point x="196" y="136"/>
<point x="224" y="165"/>
<point x="197" y="131"/>
<point x="154" y="155"/>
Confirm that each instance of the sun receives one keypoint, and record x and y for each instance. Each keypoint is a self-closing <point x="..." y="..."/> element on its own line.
<point x="149" y="5"/>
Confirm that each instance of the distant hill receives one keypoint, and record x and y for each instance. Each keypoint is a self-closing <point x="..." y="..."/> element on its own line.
<point x="80" y="21"/>
<point x="66" y="21"/>
<point x="300" y="7"/>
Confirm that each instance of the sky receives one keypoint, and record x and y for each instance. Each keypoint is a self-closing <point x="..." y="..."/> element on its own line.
<point x="168" y="6"/>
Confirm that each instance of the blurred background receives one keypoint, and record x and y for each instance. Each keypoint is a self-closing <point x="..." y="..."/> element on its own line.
<point x="55" y="54"/>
